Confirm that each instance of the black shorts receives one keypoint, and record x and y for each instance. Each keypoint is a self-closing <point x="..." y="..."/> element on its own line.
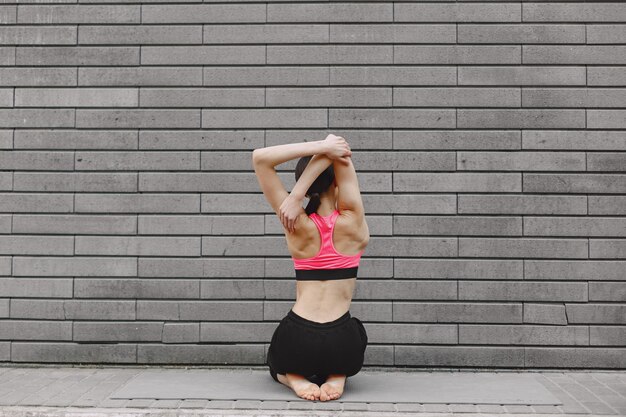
<point x="315" y="350"/>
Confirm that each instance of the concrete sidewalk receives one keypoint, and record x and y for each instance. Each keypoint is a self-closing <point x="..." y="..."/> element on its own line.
<point x="70" y="390"/>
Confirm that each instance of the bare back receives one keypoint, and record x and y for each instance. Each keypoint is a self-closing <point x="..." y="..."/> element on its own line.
<point x="327" y="300"/>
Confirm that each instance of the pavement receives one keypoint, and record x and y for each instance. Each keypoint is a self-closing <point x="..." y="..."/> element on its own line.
<point x="44" y="390"/>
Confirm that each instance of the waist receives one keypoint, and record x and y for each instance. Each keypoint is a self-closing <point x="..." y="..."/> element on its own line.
<point x="306" y="322"/>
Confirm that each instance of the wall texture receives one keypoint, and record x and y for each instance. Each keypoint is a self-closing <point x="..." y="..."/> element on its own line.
<point x="490" y="140"/>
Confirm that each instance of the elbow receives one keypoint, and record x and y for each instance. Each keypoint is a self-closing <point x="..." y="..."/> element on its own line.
<point x="257" y="154"/>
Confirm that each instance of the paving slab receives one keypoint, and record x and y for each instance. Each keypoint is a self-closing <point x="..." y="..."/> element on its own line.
<point x="47" y="390"/>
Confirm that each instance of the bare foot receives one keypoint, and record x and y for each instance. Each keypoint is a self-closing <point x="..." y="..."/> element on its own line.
<point x="300" y="385"/>
<point x="333" y="387"/>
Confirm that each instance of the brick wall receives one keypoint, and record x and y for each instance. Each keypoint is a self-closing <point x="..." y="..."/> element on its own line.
<point x="489" y="139"/>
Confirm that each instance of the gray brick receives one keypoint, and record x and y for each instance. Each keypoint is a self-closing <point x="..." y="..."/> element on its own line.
<point x="596" y="313"/>
<point x="606" y="119"/>
<point x="523" y="335"/>
<point x="74" y="224"/>
<point x="606" y="161"/>
<point x="137" y="246"/>
<point x="197" y="97"/>
<point x="522" y="204"/>
<point x="32" y="35"/>
<point x="36" y="245"/>
<point x="135" y="331"/>
<point x="73" y="352"/>
<point x="8" y="14"/>
<point x="456" y="54"/>
<point x="266" y="33"/>
<point x="607" y="291"/>
<point x="138" y="203"/>
<point x="201" y="225"/>
<point x="456" y="12"/>
<point x="411" y="333"/>
<point x="573" y="97"/>
<point x="396" y="33"/>
<point x="203" y="13"/>
<point x="458" y="268"/>
<point x="37" y="76"/>
<point x="607" y="204"/>
<point x="606" y="33"/>
<point x="545" y="313"/>
<point x="576" y="12"/>
<point x="75" y="181"/>
<point x="459" y="356"/>
<point x="7" y="55"/>
<point x="79" y="13"/>
<point x="6" y="139"/>
<point x="329" y="54"/>
<point x="329" y="12"/>
<point x="573" y="54"/>
<point x="34" y="160"/>
<point x="209" y="267"/>
<point x="574" y="183"/>
<point x="266" y="75"/>
<point x="392" y="118"/>
<point x="523" y="33"/>
<point x="456" y="182"/>
<point x="236" y="332"/>
<point x="76" y="97"/>
<point x="35" y="330"/>
<point x="136" y="288"/>
<point x="206" y="182"/>
<point x="37" y="309"/>
<point x="523" y="247"/>
<point x="36" y="287"/>
<point x="457" y="312"/>
<point x="570" y="139"/>
<point x="221" y="310"/>
<point x="99" y="310"/>
<point x="203" y="55"/>
<point x="457" y="225"/>
<point x="523" y="291"/>
<point x="598" y="75"/>
<point x="574" y="226"/>
<point x="367" y="139"/>
<point x="220" y="161"/>
<point x="607" y="248"/>
<point x="77" y="55"/>
<point x="47" y="118"/>
<point x="521" y="118"/>
<point x="522" y="75"/>
<point x="563" y="357"/>
<point x="181" y="333"/>
<point x="5" y="223"/>
<point x="262" y="118"/>
<point x="574" y="270"/>
<point x="393" y="75"/>
<point x="74" y="266"/>
<point x="74" y="139"/>
<point x="456" y="97"/>
<point x="140" y="118"/>
<point x="328" y="97"/>
<point x="128" y="34"/>
<point x="521" y="161"/>
<point x="5" y="265"/>
<point x="129" y="161"/>
<point x="232" y="288"/>
<point x="199" y="354"/>
<point x="607" y="335"/>
<point x="210" y="140"/>
<point x="139" y="76"/>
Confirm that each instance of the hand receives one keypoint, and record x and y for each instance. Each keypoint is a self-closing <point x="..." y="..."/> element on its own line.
<point x="337" y="148"/>
<point x="289" y="211"/>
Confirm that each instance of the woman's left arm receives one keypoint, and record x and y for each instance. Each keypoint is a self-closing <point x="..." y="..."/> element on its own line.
<point x="276" y="155"/>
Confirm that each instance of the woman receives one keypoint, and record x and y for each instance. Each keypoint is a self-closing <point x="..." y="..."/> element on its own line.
<point x="318" y="340"/>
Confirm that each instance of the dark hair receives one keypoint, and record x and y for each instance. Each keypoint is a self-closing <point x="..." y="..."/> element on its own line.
<point x="320" y="185"/>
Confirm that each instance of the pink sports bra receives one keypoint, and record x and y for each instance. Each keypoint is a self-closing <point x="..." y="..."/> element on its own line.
<point x="328" y="264"/>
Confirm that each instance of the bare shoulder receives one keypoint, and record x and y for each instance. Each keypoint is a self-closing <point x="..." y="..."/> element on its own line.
<point x="353" y="223"/>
